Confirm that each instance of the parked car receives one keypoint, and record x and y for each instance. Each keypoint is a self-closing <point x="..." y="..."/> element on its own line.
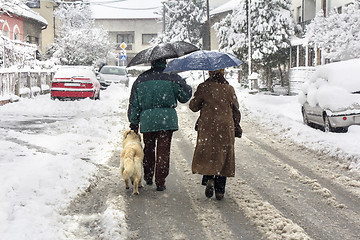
<point x="113" y="74"/>
<point x="75" y="82"/>
<point x="331" y="99"/>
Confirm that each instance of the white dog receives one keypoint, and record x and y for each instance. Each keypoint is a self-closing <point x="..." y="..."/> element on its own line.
<point x="131" y="160"/>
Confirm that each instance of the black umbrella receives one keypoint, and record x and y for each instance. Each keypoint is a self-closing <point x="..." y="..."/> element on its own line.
<point x="163" y="51"/>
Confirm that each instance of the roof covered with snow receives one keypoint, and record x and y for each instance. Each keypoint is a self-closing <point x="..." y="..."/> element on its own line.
<point x="20" y="9"/>
<point x="126" y="9"/>
<point x="229" y="6"/>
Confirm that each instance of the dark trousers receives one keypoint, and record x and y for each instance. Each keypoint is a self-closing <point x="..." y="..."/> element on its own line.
<point x="220" y="182"/>
<point x="157" y="156"/>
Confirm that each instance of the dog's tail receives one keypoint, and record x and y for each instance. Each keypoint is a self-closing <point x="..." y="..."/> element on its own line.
<point x="129" y="163"/>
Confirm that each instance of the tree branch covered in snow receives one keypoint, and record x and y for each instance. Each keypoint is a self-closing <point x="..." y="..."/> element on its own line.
<point x="79" y="42"/>
<point x="184" y="21"/>
<point x="338" y="35"/>
<point x="272" y="25"/>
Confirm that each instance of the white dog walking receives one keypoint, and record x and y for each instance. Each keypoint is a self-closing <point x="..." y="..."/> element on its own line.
<point x="131" y="160"/>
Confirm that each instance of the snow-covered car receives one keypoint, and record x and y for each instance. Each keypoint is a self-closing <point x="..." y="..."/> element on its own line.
<point x="75" y="82"/>
<point x="113" y="74"/>
<point x="331" y="98"/>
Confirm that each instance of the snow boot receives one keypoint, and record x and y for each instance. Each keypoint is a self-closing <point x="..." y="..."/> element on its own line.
<point x="209" y="190"/>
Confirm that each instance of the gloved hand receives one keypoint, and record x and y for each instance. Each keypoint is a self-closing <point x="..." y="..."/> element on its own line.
<point x="134" y="127"/>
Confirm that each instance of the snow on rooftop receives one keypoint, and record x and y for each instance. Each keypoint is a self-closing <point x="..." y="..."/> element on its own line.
<point x="229" y="6"/>
<point x="20" y="9"/>
<point x="127" y="9"/>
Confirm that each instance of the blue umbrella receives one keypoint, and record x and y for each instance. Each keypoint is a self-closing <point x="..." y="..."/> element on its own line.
<point x="203" y="60"/>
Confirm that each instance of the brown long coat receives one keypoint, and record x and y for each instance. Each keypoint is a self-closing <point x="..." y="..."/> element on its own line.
<point x="214" y="151"/>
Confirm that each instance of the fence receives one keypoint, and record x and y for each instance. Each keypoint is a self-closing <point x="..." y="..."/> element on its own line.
<point x="297" y="76"/>
<point x="23" y="84"/>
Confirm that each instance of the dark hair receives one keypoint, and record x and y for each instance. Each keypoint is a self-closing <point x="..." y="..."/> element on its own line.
<point x="159" y="63"/>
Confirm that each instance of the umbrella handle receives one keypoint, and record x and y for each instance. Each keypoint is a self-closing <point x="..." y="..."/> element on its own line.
<point x="204" y="75"/>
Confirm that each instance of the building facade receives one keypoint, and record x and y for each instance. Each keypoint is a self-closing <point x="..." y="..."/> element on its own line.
<point x="46" y="10"/>
<point x="135" y="33"/>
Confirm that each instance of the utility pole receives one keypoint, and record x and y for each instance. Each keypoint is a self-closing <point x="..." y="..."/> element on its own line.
<point x="163" y="17"/>
<point x="206" y="29"/>
<point x="248" y="2"/>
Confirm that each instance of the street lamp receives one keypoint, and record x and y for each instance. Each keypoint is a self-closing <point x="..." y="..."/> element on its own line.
<point x="250" y="78"/>
<point x="249" y="35"/>
<point x="164" y="16"/>
<point x="206" y="29"/>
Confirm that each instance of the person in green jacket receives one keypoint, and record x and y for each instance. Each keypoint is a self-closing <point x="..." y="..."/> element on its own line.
<point x="154" y="97"/>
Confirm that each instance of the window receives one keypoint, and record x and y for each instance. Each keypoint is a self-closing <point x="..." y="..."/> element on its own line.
<point x="33" y="3"/>
<point x="127" y="37"/>
<point x="6" y="33"/>
<point x="16" y="36"/>
<point x="112" y="70"/>
<point x="298" y="14"/>
<point x="339" y="10"/>
<point x="146" y="38"/>
<point x="16" y="32"/>
<point x="6" y="29"/>
<point x="33" y="40"/>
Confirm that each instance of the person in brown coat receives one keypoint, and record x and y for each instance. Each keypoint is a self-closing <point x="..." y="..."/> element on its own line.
<point x="214" y="156"/>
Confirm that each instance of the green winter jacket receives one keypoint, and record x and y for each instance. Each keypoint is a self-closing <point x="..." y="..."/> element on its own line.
<point x="153" y="100"/>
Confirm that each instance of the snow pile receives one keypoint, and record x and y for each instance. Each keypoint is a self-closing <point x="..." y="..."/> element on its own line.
<point x="48" y="153"/>
<point x="332" y="86"/>
<point x="114" y="215"/>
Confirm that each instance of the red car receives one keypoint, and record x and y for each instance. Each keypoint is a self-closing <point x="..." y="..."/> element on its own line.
<point x="75" y="82"/>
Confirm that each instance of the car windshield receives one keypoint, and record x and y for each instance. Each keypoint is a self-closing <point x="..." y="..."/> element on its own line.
<point x="115" y="71"/>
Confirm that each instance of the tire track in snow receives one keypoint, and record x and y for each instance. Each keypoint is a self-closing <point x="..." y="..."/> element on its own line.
<point x="289" y="188"/>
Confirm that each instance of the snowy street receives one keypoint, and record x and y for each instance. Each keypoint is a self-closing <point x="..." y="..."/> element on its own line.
<point x="60" y="179"/>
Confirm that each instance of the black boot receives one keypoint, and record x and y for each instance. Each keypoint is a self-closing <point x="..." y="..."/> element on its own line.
<point x="209" y="190"/>
<point x="220" y="183"/>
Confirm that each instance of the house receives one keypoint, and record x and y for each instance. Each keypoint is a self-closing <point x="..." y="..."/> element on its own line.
<point x="216" y="15"/>
<point x="304" y="11"/>
<point x="19" y="22"/>
<point x="304" y="56"/>
<point x="133" y="23"/>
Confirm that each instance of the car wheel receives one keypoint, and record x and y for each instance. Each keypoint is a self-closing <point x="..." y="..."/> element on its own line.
<point x="305" y="117"/>
<point x="327" y="124"/>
